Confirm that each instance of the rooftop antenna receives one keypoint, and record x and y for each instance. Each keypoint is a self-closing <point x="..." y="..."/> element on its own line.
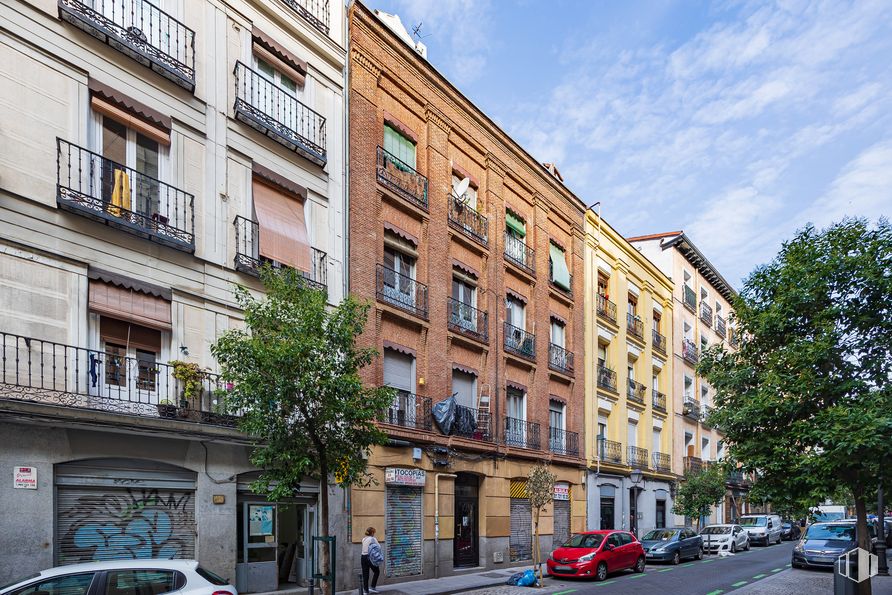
<point x="416" y="31"/>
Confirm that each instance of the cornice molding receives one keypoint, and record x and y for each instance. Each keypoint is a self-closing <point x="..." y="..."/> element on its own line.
<point x="495" y="165"/>
<point x="434" y="116"/>
<point x="365" y="61"/>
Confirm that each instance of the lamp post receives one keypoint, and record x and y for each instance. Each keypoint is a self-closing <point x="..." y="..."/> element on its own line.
<point x="882" y="566"/>
<point x="635" y="476"/>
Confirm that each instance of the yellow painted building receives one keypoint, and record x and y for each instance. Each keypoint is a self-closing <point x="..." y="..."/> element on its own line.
<point x="628" y="384"/>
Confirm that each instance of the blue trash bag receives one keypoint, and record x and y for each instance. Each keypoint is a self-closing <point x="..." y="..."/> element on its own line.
<point x="512" y="580"/>
<point x="528" y="579"/>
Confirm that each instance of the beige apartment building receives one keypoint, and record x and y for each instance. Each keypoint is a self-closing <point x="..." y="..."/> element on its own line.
<point x="152" y="156"/>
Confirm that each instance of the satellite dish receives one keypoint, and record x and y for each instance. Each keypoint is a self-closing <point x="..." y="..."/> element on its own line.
<point x="462" y="187"/>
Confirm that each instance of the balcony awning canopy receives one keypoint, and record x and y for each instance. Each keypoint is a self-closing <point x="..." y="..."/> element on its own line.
<point x="283" y="229"/>
<point x="560" y="272"/>
<point x="515" y="223"/>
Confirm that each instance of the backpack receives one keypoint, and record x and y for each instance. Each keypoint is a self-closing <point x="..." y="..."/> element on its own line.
<point x="376" y="556"/>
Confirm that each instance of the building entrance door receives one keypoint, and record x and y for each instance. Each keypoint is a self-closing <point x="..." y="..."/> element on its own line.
<point x="465" y="545"/>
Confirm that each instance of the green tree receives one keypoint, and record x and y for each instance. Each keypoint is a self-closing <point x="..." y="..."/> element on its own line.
<point x="295" y="376"/>
<point x="699" y="491"/>
<point x="540" y="489"/>
<point x="807" y="399"/>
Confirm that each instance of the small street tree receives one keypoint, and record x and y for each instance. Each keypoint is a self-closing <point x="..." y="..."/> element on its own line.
<point x="807" y="399"/>
<point x="540" y="488"/>
<point x="699" y="491"/>
<point x="294" y="371"/>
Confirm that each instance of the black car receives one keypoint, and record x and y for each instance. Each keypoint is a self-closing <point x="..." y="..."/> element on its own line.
<point x="790" y="530"/>
<point x="823" y="543"/>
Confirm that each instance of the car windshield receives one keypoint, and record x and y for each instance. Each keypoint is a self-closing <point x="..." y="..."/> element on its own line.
<point x="840" y="532"/>
<point x="754" y="521"/>
<point x="659" y="535"/>
<point x="584" y="540"/>
<point x="715" y="530"/>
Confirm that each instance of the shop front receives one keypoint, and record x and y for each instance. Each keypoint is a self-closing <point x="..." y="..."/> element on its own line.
<point x="404" y="521"/>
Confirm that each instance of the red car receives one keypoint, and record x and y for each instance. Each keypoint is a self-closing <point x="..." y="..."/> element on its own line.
<point x="596" y="553"/>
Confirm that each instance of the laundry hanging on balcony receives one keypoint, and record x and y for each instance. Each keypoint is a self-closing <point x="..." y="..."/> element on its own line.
<point x="120" y="198"/>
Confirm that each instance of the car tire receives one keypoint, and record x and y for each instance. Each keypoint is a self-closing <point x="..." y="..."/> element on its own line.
<point x="746" y="548"/>
<point x="733" y="547"/>
<point x="639" y="565"/>
<point x="676" y="558"/>
<point x="601" y="573"/>
<point x="699" y="553"/>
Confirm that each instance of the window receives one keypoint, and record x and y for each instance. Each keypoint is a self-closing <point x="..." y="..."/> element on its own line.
<point x="515" y="312"/>
<point x="464" y="387"/>
<point x="464" y="307"/>
<point x="557" y="260"/>
<point x="143" y="582"/>
<point x="704" y="395"/>
<point x="633" y="305"/>
<point x="558" y="333"/>
<point x="704" y="295"/>
<point x="399" y="146"/>
<point x="687" y="277"/>
<point x="470" y="194"/>
<point x="399" y="373"/>
<point x="602" y="355"/>
<point x="688" y="330"/>
<point x="657" y="318"/>
<point x="556" y="425"/>
<point x="704" y="343"/>
<point x="656" y="440"/>
<point x="603" y="281"/>
<point x="71" y="584"/>
<point x="516" y="405"/>
<point x="631" y="372"/>
<point x="399" y="277"/>
<point x="602" y="428"/>
<point x="704" y="449"/>
<point x="655" y="383"/>
<point x="124" y="147"/>
<point x="210" y="577"/>
<point x="131" y="352"/>
<point x="688" y="387"/>
<point x="279" y="99"/>
<point x="688" y="446"/>
<point x="614" y="540"/>
<point x="633" y="433"/>
<point x="720" y="450"/>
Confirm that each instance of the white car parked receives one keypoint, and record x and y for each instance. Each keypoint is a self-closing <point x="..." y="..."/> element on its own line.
<point x="762" y="528"/>
<point x="122" y="577"/>
<point x="724" y="538"/>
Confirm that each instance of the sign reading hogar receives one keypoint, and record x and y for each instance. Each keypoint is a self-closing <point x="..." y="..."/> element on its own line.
<point x="404" y="477"/>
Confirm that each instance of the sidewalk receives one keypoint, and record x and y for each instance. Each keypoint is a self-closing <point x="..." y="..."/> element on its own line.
<point x="450" y="584"/>
<point x="808" y="582"/>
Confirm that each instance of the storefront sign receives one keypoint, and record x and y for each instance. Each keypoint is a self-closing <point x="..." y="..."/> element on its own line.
<point x="25" y="478"/>
<point x="260" y="520"/>
<point x="561" y="491"/>
<point x="404" y="477"/>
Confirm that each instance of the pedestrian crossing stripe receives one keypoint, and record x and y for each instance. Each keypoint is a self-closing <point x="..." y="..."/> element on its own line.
<point x="518" y="488"/>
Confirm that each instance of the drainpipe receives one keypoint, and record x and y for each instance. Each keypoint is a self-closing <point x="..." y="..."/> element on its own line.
<point x="345" y="261"/>
<point x="437" y="520"/>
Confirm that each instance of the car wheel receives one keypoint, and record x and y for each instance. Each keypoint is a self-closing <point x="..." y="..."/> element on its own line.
<point x="700" y="553"/>
<point x="747" y="546"/>
<point x="676" y="558"/>
<point x="602" y="572"/>
<point x="733" y="547"/>
<point x="639" y="565"/>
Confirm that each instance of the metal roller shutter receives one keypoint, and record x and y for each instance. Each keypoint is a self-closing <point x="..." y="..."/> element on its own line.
<point x="404" y="531"/>
<point x="117" y="510"/>
<point x="520" y="544"/>
<point x="561" y="521"/>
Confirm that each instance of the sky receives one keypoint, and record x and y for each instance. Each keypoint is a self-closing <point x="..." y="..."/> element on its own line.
<point x="738" y="122"/>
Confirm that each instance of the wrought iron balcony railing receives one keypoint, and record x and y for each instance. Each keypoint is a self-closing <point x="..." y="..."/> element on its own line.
<point x="401" y="291"/>
<point x="409" y="411"/>
<point x="610" y="451"/>
<point x="276" y="113"/>
<point x="693" y="464"/>
<point x="560" y="359"/>
<point x="74" y="377"/>
<point x="706" y="313"/>
<point x="661" y="462"/>
<point x="140" y="30"/>
<point x="658" y="400"/>
<point x="637" y="457"/>
<point x="519" y="342"/>
<point x="248" y="259"/>
<point x="606" y="378"/>
<point x="733" y="338"/>
<point x="606" y="309"/>
<point x="473" y="424"/>
<point x="468" y="320"/>
<point x="636" y="392"/>
<point x="314" y="11"/>
<point x="88" y="184"/>
<point x="705" y="410"/>
<point x="635" y="326"/>
<point x="689" y="351"/>
<point x="720" y="326"/>
<point x="402" y="179"/>
<point x="659" y="341"/>
<point x="689" y="298"/>
<point x="691" y="408"/>
<point x="521" y="433"/>
<point x="562" y="442"/>
<point x="466" y="219"/>
<point x="738" y="478"/>
<point x="519" y="254"/>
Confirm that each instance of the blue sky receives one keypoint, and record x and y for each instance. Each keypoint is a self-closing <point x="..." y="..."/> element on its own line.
<point x="736" y="121"/>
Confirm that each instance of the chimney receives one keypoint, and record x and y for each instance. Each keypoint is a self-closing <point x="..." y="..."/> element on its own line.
<point x="553" y="170"/>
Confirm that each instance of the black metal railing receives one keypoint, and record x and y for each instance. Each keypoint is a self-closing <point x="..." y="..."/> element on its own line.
<point x="738" y="478"/>
<point x="474" y="424"/>
<point x="273" y="111"/>
<point x="402" y="179"/>
<point x="520" y="342"/>
<point x="140" y="30"/>
<point x="409" y="411"/>
<point x="658" y="400"/>
<point x="63" y="375"/>
<point x="518" y="253"/>
<point x="401" y="291"/>
<point x="637" y="457"/>
<point x="521" y="433"/>
<point x="314" y="11"/>
<point x="733" y="338"/>
<point x="705" y="410"/>
<point x="689" y="298"/>
<point x="693" y="464"/>
<point x="466" y="219"/>
<point x="689" y="351"/>
<point x="610" y="451"/>
<point x="91" y="185"/>
<point x="659" y="341"/>
<point x="249" y="260"/>
<point x="635" y="326"/>
<point x="468" y="320"/>
<point x="606" y="308"/>
<point x="606" y="378"/>
<point x="720" y="327"/>
<point x="562" y="442"/>
<point x="560" y="359"/>
<point x="691" y="408"/>
<point x="636" y="392"/>
<point x="661" y="462"/>
<point x="706" y="313"/>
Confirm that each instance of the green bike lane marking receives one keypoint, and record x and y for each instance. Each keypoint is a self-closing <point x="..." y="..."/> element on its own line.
<point x="565" y="592"/>
<point x="604" y="584"/>
<point x="716" y="592"/>
<point x="665" y="570"/>
<point x="776" y="569"/>
<point x="758" y="576"/>
<point x="739" y="584"/>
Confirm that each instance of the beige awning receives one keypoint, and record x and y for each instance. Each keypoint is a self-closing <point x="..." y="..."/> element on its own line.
<point x="129" y="305"/>
<point x="283" y="229"/>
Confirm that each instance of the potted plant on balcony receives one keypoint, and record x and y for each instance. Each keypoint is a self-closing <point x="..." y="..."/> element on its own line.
<point x="189" y="378"/>
<point x="167" y="409"/>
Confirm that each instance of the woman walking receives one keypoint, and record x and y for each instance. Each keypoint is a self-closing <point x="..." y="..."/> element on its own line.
<point x="371" y="559"/>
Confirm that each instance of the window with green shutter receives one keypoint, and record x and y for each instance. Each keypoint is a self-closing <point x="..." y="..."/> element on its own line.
<point x="560" y="274"/>
<point x="515" y="224"/>
<point x="399" y="146"/>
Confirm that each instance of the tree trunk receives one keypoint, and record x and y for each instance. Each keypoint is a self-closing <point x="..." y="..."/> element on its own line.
<point x="862" y="531"/>
<point x="324" y="556"/>
<point x="537" y="554"/>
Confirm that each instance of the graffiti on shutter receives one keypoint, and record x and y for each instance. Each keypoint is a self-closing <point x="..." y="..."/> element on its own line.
<point x="520" y="544"/>
<point x="561" y="521"/>
<point x="404" y="531"/>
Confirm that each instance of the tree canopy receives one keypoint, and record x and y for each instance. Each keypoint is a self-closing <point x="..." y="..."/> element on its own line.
<point x="700" y="491"/>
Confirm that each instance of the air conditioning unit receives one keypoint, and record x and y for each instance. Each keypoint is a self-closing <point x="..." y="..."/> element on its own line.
<point x="498" y="557"/>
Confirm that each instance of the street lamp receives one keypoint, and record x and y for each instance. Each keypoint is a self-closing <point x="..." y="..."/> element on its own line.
<point x="635" y="476"/>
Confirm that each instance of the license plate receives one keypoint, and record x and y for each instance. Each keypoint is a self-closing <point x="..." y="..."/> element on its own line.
<point x="822" y="559"/>
<point x="562" y="568"/>
<point x="650" y="555"/>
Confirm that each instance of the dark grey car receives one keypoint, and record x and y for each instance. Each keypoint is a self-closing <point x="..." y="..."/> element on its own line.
<point x="672" y="545"/>
<point x="823" y="543"/>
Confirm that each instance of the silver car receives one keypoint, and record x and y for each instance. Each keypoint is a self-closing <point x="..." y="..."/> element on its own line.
<point x="725" y="538"/>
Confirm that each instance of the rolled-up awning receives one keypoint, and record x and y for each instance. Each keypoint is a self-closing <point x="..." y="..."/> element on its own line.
<point x="130" y="305"/>
<point x="515" y="223"/>
<point x="283" y="229"/>
<point x="560" y="273"/>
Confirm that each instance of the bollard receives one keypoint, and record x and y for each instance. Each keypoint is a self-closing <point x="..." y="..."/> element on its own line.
<point x="359" y="590"/>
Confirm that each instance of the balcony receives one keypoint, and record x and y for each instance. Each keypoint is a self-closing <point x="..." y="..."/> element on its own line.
<point x="519" y="254"/>
<point x="689" y="351"/>
<point x="733" y="338"/>
<point x="737" y="478"/>
<point x="659" y="341"/>
<point x="610" y="451"/>
<point x="249" y="261"/>
<point x="689" y="298"/>
<point x="693" y="465"/>
<point x="606" y="309"/>
<point x="637" y="457"/>
<point x="661" y="462"/>
<point x="658" y="400"/>
<point x="467" y="320"/>
<point x="636" y="392"/>
<point x="519" y="342"/>
<point x="706" y="313"/>
<point x="521" y="433"/>
<point x="140" y="30"/>
<point x="88" y="184"/>
<point x="606" y="378"/>
<point x="274" y="112"/>
<point x="408" y="411"/>
<point x="635" y="326"/>
<point x="705" y="410"/>
<point x="691" y="408"/>
<point x="720" y="327"/>
<point x="472" y="424"/>
<point x="402" y="179"/>
<point x="560" y="359"/>
<point x="71" y="377"/>
<point x="562" y="442"/>
<point x="316" y="12"/>
<point x="401" y="291"/>
<point x="467" y="220"/>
